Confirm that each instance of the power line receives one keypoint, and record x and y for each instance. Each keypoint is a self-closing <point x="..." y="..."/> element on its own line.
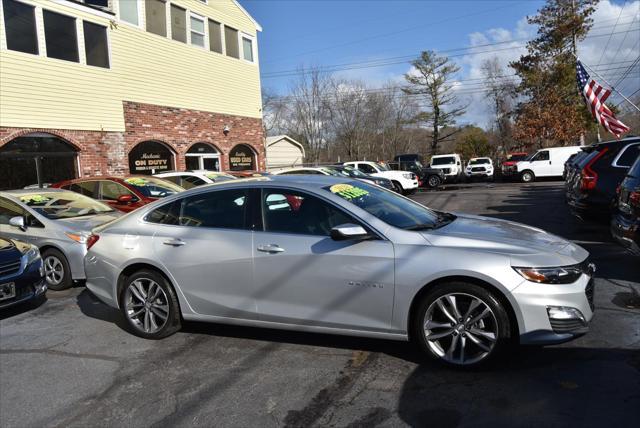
<point x="611" y="35"/>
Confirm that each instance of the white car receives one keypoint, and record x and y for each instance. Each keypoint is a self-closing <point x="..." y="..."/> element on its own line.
<point x="545" y="163"/>
<point x="403" y="181"/>
<point x="189" y="179"/>
<point x="479" y="167"/>
<point x="451" y="166"/>
<point x="338" y="171"/>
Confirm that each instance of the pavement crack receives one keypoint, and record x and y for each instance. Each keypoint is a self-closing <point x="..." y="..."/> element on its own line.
<point x="61" y="354"/>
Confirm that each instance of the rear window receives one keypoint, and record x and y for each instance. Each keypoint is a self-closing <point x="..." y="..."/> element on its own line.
<point x="635" y="169"/>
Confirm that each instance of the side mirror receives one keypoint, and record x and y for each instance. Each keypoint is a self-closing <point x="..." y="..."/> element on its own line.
<point x="348" y="231"/>
<point x="125" y="199"/>
<point x="18" y="222"/>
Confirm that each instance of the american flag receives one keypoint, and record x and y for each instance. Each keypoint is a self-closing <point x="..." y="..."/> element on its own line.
<point x="595" y="95"/>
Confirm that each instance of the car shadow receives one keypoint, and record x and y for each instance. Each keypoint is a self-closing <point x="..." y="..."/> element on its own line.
<point x="21" y="308"/>
<point x="92" y="307"/>
<point x="531" y="386"/>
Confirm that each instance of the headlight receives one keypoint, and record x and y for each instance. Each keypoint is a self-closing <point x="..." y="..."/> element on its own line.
<point x="380" y="182"/>
<point x="553" y="275"/>
<point x="407" y="175"/>
<point x="32" y="255"/>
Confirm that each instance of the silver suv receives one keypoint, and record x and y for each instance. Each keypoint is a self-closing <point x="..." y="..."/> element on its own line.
<point x="340" y="256"/>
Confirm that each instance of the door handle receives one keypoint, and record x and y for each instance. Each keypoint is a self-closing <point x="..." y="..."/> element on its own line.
<point x="271" y="248"/>
<point x="174" y="242"/>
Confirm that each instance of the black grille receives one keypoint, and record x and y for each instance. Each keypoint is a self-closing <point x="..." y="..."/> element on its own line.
<point x="567" y="326"/>
<point x="477" y="169"/>
<point x="589" y="291"/>
<point x="9" y="269"/>
<point x="446" y="170"/>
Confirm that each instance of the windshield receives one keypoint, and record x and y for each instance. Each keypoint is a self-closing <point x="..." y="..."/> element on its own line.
<point x="60" y="205"/>
<point x="479" y="161"/>
<point x="153" y="187"/>
<point x="517" y="158"/>
<point x="387" y="206"/>
<point x="352" y="172"/>
<point x="333" y="171"/>
<point x="443" y="161"/>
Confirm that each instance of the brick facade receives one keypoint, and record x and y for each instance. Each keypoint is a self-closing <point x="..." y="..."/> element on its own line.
<point x="106" y="153"/>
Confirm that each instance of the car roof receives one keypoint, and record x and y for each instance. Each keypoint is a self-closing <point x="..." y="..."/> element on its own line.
<point x="301" y="181"/>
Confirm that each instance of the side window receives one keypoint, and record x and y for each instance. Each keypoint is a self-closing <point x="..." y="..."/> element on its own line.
<point x="299" y="213"/>
<point x="87" y="188"/>
<point x="9" y="209"/>
<point x="166" y="214"/>
<point x="366" y="168"/>
<point x="111" y="191"/>
<point x="224" y="209"/>
<point x="628" y="156"/>
<point x="542" y="156"/>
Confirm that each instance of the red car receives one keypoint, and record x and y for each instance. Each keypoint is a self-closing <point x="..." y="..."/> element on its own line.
<point x="246" y="174"/>
<point x="508" y="166"/>
<point x="122" y="193"/>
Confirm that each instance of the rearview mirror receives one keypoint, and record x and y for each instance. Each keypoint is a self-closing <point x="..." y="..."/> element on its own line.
<point x="18" y="222"/>
<point x="348" y="231"/>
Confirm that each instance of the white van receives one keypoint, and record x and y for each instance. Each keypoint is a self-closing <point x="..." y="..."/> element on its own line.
<point x="451" y="166"/>
<point x="545" y="163"/>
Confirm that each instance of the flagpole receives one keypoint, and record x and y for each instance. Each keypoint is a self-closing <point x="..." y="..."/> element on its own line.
<point x="611" y="86"/>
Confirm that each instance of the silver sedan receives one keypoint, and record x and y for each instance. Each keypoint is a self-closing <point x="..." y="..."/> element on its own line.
<point x="59" y="223"/>
<point x="340" y="256"/>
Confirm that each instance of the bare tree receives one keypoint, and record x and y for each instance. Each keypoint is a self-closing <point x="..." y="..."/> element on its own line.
<point x="500" y="91"/>
<point x="432" y="79"/>
<point x="274" y="113"/>
<point x="347" y="108"/>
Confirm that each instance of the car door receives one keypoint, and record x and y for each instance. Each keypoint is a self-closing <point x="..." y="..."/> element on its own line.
<point x="541" y="164"/>
<point x="303" y="276"/>
<point x="205" y="242"/>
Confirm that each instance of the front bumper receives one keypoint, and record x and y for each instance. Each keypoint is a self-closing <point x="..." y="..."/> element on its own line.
<point x="554" y="313"/>
<point x="478" y="173"/>
<point x="29" y="284"/>
<point x="626" y="231"/>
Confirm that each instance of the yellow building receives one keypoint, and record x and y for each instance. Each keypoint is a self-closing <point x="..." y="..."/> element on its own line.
<point x="110" y="87"/>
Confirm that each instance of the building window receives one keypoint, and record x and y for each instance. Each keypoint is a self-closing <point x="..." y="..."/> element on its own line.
<point x="178" y="24"/>
<point x="231" y="42"/>
<point x="20" y="27"/>
<point x="247" y="48"/>
<point x="215" y="36"/>
<point x="99" y="3"/>
<point x="156" y="16"/>
<point x="197" y="31"/>
<point x="128" y="10"/>
<point x="60" y="36"/>
<point x="96" y="46"/>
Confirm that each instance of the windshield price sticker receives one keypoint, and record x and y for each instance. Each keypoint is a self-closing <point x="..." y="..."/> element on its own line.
<point x="140" y="182"/>
<point x="347" y="191"/>
<point x="36" y="199"/>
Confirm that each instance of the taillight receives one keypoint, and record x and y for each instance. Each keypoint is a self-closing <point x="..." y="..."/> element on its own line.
<point x="634" y="199"/>
<point x="91" y="240"/>
<point x="588" y="177"/>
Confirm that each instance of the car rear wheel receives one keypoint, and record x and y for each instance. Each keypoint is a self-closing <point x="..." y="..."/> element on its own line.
<point x="434" y="181"/>
<point x="150" y="306"/>
<point x="461" y="324"/>
<point x="56" y="270"/>
<point x="527" y="176"/>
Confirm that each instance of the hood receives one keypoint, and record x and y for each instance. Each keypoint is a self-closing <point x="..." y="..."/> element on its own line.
<point x="11" y="251"/>
<point x="519" y="241"/>
<point x="87" y="223"/>
<point x="393" y="174"/>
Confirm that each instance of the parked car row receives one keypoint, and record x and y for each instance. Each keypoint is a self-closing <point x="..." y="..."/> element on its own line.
<point x="602" y="185"/>
<point x="314" y="252"/>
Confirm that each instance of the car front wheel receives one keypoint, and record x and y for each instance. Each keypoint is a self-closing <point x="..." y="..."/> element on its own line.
<point x="56" y="270"/>
<point x="527" y="177"/>
<point x="434" y="181"/>
<point x="150" y="306"/>
<point x="461" y="324"/>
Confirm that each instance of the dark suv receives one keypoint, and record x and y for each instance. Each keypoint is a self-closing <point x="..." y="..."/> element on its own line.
<point x="625" y="224"/>
<point x="591" y="187"/>
<point x="431" y="177"/>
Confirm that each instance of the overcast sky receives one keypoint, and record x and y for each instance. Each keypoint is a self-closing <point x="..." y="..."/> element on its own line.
<point x="375" y="40"/>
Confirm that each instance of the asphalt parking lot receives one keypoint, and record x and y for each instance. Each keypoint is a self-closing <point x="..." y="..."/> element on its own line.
<point x="69" y="362"/>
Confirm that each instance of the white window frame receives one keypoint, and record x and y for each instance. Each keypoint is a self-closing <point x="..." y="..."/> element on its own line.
<point x="619" y="155"/>
<point x="205" y="24"/>
<point x="37" y="11"/>
<point x="84" y="52"/>
<point x="140" y="14"/>
<point x="241" y="36"/>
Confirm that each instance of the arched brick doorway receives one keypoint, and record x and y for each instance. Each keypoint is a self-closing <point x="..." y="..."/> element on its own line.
<point x="202" y="156"/>
<point x="151" y="157"/>
<point x="242" y="158"/>
<point x="37" y="159"/>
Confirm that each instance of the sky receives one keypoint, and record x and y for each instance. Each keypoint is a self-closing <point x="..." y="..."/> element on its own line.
<point x="374" y="40"/>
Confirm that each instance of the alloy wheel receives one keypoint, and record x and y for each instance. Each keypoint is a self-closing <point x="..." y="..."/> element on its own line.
<point x="146" y="305"/>
<point x="53" y="270"/>
<point x="460" y="328"/>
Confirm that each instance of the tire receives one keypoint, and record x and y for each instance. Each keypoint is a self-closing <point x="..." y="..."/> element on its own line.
<point x="477" y="342"/>
<point x="57" y="270"/>
<point x="434" y="181"/>
<point x="527" y="176"/>
<point x="397" y="187"/>
<point x="410" y="191"/>
<point x="150" y="319"/>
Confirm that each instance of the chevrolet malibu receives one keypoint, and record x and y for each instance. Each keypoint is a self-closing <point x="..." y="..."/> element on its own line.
<point x="336" y="255"/>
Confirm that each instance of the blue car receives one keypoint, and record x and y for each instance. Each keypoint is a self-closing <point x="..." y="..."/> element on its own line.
<point x="21" y="273"/>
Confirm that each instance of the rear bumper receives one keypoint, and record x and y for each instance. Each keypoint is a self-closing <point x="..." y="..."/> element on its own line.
<point x="626" y="231"/>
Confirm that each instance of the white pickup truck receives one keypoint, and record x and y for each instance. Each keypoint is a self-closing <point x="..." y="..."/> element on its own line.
<point x="545" y="163"/>
<point x="451" y="166"/>
<point x="403" y="181"/>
